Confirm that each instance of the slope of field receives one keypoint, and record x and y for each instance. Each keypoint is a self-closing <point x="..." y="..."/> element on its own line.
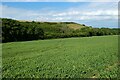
<point x="90" y="57"/>
<point x="71" y="25"/>
<point x="75" y="26"/>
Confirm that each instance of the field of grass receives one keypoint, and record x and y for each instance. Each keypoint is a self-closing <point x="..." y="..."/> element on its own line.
<point x="75" y="26"/>
<point x="89" y="57"/>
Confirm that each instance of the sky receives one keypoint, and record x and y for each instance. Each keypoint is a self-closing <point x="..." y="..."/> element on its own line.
<point x="60" y="0"/>
<point x="96" y="14"/>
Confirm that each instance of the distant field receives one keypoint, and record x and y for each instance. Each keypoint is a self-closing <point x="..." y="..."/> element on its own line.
<point x="89" y="57"/>
<point x="75" y="26"/>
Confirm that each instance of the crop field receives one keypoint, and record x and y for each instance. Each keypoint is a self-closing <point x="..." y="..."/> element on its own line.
<point x="88" y="57"/>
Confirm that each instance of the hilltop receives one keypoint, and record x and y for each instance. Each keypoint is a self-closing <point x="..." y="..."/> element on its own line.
<point x="71" y="25"/>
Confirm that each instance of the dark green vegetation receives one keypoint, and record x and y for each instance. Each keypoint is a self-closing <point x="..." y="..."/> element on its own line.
<point x="13" y="30"/>
<point x="89" y="57"/>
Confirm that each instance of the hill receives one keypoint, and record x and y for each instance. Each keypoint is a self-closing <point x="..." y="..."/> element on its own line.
<point x="17" y="30"/>
<point x="75" y="26"/>
<point x="71" y="25"/>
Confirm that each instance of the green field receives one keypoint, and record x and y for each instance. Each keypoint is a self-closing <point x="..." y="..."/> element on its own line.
<point x="89" y="57"/>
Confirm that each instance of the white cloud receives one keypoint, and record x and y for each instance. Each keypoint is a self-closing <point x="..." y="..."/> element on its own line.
<point x="93" y="11"/>
<point x="71" y="14"/>
<point x="95" y="14"/>
<point x="17" y="13"/>
<point x="90" y="13"/>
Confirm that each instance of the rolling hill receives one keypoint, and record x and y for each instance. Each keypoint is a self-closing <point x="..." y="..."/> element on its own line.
<point x="21" y="30"/>
<point x="71" y="25"/>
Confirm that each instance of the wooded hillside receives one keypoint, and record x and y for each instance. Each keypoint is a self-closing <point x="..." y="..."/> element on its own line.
<point x="14" y="30"/>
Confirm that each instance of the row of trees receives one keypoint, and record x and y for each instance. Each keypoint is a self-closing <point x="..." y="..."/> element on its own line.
<point x="13" y="30"/>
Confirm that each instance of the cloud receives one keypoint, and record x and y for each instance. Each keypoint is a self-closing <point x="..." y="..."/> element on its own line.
<point x="93" y="11"/>
<point x="18" y="13"/>
<point x="90" y="13"/>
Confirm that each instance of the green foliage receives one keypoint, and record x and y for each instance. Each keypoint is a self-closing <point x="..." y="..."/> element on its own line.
<point x="90" y="57"/>
<point x="13" y="30"/>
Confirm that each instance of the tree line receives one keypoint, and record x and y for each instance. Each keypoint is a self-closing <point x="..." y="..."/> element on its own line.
<point x="13" y="30"/>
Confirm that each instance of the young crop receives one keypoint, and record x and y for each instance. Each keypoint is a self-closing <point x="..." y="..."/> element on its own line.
<point x="90" y="57"/>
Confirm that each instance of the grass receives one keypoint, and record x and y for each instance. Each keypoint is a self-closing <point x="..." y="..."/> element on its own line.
<point x="75" y="26"/>
<point x="89" y="57"/>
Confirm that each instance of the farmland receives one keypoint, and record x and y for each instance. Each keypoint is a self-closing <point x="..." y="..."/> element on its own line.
<point x="87" y="57"/>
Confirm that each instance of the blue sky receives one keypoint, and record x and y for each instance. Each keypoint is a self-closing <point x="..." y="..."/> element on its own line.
<point x="96" y="14"/>
<point x="44" y="4"/>
<point x="60" y="0"/>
